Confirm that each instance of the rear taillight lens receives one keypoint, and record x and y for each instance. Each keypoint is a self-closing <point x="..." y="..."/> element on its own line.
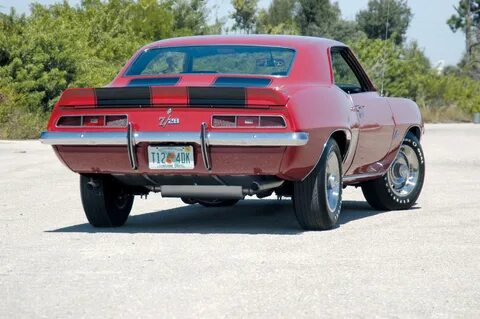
<point x="244" y="121"/>
<point x="70" y="121"/>
<point x="224" y="121"/>
<point x="248" y="121"/>
<point x="272" y="121"/>
<point x="116" y="120"/>
<point x="93" y="121"/>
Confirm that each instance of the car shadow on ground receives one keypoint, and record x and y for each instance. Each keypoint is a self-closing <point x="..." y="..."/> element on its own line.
<point x="247" y="217"/>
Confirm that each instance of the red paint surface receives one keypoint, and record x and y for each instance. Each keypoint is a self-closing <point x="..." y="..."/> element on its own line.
<point x="307" y="99"/>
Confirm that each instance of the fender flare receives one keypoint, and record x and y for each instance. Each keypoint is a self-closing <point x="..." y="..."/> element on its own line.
<point x="348" y="139"/>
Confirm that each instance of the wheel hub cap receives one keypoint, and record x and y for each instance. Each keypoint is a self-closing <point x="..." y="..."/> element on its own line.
<point x="403" y="173"/>
<point x="332" y="182"/>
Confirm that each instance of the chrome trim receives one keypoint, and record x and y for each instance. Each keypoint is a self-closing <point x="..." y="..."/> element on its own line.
<point x="404" y="173"/>
<point x="258" y="139"/>
<point x="151" y="46"/>
<point x="84" y="138"/>
<point x="132" y="154"/>
<point x="248" y="115"/>
<point x="214" y="138"/>
<point x="333" y="181"/>
<point x="167" y="137"/>
<point x="81" y="116"/>
<point x="204" y="146"/>
<point x="351" y="178"/>
<point x="400" y="145"/>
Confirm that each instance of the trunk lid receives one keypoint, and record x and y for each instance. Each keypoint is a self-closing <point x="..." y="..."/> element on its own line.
<point x="173" y="96"/>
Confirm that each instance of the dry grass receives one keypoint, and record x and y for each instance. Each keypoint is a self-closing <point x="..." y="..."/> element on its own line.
<point x="23" y="125"/>
<point x="444" y="114"/>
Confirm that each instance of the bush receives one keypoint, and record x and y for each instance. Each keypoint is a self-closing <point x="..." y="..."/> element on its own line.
<point x="61" y="46"/>
<point x="408" y="73"/>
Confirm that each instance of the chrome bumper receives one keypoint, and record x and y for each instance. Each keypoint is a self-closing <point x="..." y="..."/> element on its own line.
<point x="212" y="138"/>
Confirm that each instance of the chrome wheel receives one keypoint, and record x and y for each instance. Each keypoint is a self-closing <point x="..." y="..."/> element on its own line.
<point x="332" y="182"/>
<point x="404" y="171"/>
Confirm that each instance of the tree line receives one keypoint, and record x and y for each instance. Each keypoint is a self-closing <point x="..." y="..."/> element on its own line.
<point x="60" y="46"/>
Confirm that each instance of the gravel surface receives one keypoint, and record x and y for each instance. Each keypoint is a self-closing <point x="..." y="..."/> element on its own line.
<point x="251" y="260"/>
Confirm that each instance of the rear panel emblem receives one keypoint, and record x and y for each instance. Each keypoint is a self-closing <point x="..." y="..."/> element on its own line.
<point x="164" y="120"/>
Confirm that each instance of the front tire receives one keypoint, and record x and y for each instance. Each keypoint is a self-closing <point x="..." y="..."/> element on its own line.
<point x="104" y="200"/>
<point x="400" y="187"/>
<point x="317" y="200"/>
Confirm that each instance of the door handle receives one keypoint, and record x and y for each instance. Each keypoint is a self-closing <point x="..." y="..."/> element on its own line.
<point x="357" y="108"/>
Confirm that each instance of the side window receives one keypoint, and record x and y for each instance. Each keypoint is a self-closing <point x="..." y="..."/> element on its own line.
<point x="343" y="75"/>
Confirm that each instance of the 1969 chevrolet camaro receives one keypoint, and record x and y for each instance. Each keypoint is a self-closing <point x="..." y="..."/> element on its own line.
<point x="212" y="119"/>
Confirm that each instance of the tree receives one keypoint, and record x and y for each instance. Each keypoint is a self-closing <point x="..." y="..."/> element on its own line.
<point x="190" y="17"/>
<point x="317" y="17"/>
<point x="467" y="19"/>
<point x="321" y="18"/>
<point x="59" y="46"/>
<point x="244" y="15"/>
<point x="373" y="20"/>
<point x="278" y="18"/>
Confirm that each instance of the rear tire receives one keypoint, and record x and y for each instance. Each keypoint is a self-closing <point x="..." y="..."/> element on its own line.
<point x="104" y="200"/>
<point x="400" y="187"/>
<point x="317" y="200"/>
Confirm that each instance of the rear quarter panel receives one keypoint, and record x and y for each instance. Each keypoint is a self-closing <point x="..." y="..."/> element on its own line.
<point x="319" y="110"/>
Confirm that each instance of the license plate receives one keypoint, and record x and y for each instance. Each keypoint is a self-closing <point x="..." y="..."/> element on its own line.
<point x="170" y="157"/>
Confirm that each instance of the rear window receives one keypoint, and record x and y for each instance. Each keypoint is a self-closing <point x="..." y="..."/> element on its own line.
<point x="224" y="59"/>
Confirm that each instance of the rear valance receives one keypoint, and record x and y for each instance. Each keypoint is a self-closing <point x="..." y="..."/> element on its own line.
<point x="172" y="96"/>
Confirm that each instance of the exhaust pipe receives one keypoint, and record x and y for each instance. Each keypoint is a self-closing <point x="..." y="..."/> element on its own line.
<point x="216" y="191"/>
<point x="202" y="191"/>
<point x="258" y="187"/>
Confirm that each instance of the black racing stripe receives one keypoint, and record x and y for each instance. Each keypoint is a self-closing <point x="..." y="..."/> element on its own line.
<point x="125" y="96"/>
<point x="214" y="96"/>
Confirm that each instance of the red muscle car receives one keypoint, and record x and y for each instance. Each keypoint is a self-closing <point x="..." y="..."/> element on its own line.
<point x="212" y="119"/>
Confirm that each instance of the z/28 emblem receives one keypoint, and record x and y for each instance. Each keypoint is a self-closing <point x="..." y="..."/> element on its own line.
<point x="164" y="120"/>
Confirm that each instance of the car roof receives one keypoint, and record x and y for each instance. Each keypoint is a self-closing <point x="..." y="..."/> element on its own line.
<point x="290" y="41"/>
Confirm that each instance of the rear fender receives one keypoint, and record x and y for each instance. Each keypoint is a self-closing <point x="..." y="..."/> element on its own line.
<point x="321" y="111"/>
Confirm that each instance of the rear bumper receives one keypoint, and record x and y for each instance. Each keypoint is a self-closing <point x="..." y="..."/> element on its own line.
<point x="212" y="138"/>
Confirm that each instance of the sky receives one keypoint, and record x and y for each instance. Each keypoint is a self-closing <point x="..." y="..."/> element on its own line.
<point x="428" y="26"/>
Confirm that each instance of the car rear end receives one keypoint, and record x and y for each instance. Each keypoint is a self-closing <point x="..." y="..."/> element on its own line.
<point x="196" y="121"/>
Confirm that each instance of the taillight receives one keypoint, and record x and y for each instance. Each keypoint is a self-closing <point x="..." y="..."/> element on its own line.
<point x="272" y="121"/>
<point x="248" y="121"/>
<point x="116" y="120"/>
<point x="224" y="121"/>
<point x="70" y="121"/>
<point x="93" y="121"/>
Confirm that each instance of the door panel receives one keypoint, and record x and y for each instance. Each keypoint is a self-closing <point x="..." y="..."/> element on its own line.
<point x="375" y="119"/>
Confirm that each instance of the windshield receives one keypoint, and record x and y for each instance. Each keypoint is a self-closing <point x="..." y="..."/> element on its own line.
<point x="225" y="59"/>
